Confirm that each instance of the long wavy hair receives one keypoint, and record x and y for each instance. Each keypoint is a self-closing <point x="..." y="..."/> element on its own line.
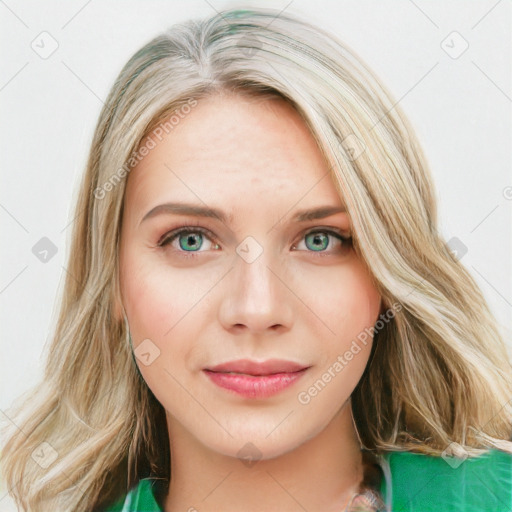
<point x="439" y="371"/>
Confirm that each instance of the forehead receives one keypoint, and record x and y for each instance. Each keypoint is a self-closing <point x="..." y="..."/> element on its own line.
<point x="230" y="148"/>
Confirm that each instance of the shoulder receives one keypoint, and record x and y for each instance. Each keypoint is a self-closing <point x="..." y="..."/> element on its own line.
<point x="140" y="498"/>
<point x="418" y="482"/>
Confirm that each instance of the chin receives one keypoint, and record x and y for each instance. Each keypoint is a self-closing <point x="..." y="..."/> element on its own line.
<point x="258" y="444"/>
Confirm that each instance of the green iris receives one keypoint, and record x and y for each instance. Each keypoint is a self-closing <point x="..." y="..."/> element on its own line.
<point x="317" y="238"/>
<point x="191" y="241"/>
<point x="194" y="241"/>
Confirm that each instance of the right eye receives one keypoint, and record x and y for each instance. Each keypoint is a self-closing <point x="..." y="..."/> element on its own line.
<point x="189" y="240"/>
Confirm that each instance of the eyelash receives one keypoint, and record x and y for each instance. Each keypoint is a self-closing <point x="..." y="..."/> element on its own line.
<point x="172" y="235"/>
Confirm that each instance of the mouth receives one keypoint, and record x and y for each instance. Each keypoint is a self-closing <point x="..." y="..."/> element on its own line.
<point x="252" y="379"/>
<point x="255" y="368"/>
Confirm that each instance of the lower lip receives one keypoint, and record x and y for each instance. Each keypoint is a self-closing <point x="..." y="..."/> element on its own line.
<point x="250" y="386"/>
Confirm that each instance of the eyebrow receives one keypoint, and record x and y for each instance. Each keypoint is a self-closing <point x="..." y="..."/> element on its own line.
<point x="194" y="210"/>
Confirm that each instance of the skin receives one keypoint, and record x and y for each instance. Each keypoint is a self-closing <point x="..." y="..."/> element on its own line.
<point x="254" y="159"/>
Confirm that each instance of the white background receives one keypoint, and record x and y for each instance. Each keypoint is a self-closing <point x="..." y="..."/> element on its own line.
<point x="460" y="108"/>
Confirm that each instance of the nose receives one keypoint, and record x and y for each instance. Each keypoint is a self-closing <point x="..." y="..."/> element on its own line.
<point x="257" y="298"/>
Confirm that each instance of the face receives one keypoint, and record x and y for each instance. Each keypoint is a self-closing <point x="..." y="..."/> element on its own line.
<point x="257" y="281"/>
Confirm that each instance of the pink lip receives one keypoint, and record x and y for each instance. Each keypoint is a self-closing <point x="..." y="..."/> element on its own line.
<point x="256" y="380"/>
<point x="254" y="368"/>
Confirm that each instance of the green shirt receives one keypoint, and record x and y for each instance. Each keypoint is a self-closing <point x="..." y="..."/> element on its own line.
<point x="412" y="483"/>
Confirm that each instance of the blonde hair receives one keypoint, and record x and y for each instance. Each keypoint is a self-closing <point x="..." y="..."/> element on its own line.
<point x="439" y="370"/>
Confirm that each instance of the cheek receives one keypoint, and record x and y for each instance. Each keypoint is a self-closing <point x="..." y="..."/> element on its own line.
<point x="157" y="302"/>
<point x="155" y="297"/>
<point x="147" y="301"/>
<point x="350" y="306"/>
<point x="347" y="304"/>
<point x="162" y="305"/>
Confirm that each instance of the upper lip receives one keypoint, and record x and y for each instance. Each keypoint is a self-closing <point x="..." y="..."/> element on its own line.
<point x="249" y="367"/>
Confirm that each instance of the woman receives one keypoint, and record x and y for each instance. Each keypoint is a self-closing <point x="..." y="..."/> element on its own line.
<point x="260" y="313"/>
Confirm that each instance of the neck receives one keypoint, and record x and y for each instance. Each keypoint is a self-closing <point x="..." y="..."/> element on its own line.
<point x="321" y="474"/>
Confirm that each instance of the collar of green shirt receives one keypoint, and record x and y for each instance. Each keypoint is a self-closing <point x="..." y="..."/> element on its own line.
<point x="412" y="483"/>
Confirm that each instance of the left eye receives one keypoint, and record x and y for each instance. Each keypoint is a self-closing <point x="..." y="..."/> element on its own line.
<point x="318" y="240"/>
